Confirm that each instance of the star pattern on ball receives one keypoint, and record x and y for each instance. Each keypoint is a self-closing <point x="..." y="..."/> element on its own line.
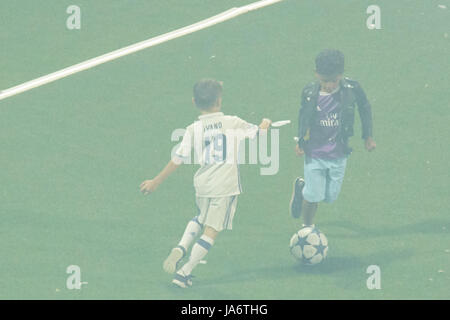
<point x="313" y="247"/>
<point x="320" y="247"/>
<point x="302" y="241"/>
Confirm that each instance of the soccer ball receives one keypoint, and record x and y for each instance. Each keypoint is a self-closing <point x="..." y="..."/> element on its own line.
<point x="309" y="245"/>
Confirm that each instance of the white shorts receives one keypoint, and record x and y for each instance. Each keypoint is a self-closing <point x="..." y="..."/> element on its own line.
<point x="217" y="213"/>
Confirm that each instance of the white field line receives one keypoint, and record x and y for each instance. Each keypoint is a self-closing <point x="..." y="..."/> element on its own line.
<point x="221" y="17"/>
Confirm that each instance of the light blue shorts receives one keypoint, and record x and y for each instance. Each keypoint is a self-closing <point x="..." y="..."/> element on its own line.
<point x="323" y="179"/>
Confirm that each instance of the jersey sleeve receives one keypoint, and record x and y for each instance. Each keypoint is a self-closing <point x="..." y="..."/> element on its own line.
<point x="250" y="130"/>
<point x="183" y="152"/>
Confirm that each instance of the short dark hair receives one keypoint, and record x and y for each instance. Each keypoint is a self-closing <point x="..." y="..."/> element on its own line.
<point x="330" y="62"/>
<point x="206" y="93"/>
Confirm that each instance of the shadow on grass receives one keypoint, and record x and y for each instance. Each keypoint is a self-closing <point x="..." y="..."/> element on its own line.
<point x="439" y="226"/>
<point x="331" y="265"/>
<point x="334" y="265"/>
<point x="349" y="263"/>
<point x="202" y="289"/>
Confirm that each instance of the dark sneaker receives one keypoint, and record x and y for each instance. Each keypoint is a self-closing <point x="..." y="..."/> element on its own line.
<point x="181" y="280"/>
<point x="175" y="256"/>
<point x="297" y="198"/>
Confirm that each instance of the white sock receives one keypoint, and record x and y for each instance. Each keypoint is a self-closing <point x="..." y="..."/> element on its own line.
<point x="199" y="251"/>
<point x="190" y="233"/>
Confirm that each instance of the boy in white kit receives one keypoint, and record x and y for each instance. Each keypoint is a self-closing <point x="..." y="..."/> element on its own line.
<point x="215" y="139"/>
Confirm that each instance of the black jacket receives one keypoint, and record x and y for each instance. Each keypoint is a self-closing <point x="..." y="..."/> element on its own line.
<point x="350" y="95"/>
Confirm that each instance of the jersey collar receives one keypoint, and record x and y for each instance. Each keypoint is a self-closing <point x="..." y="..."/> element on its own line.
<point x="210" y="115"/>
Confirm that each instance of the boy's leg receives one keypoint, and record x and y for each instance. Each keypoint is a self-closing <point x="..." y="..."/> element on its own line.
<point x="335" y="179"/>
<point x="309" y="211"/>
<point x="219" y="214"/>
<point x="199" y="251"/>
<point x="334" y="176"/>
<point x="296" y="203"/>
<point x="314" y="189"/>
<point x="193" y="228"/>
<point x="190" y="233"/>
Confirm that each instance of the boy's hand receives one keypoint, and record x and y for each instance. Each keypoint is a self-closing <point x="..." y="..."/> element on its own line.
<point x="370" y="144"/>
<point x="299" y="151"/>
<point x="265" y="124"/>
<point x="149" y="186"/>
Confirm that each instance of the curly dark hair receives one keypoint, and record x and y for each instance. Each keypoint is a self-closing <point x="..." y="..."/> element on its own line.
<point x="206" y="93"/>
<point x="330" y="62"/>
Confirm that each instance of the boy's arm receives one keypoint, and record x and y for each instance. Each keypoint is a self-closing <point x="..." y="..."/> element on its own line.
<point x="299" y="145"/>
<point x="149" y="186"/>
<point x="265" y="124"/>
<point x="303" y="116"/>
<point x="252" y="130"/>
<point x="365" y="113"/>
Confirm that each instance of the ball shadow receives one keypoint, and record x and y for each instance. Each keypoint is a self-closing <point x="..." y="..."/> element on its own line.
<point x="331" y="265"/>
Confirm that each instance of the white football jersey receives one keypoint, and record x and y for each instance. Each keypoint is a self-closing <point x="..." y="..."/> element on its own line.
<point x="215" y="139"/>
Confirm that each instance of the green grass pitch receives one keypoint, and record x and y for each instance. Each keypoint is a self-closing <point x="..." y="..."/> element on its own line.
<point x="75" y="151"/>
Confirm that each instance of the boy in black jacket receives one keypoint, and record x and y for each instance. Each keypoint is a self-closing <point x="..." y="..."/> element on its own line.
<point x="325" y="124"/>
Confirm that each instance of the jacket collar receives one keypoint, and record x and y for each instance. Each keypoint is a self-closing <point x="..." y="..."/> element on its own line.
<point x="344" y="83"/>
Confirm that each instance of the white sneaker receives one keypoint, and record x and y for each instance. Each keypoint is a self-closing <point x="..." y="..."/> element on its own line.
<point x="170" y="264"/>
<point x="181" y="280"/>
